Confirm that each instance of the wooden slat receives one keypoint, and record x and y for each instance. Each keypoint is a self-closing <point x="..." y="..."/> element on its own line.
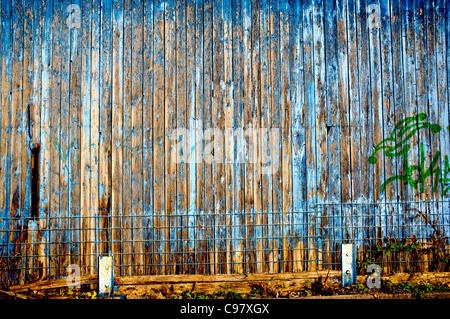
<point x="16" y="195"/>
<point x="333" y="136"/>
<point x="228" y="140"/>
<point x="170" y="125"/>
<point x="117" y="131"/>
<point x="104" y="195"/>
<point x="191" y="172"/>
<point x="26" y="129"/>
<point x="5" y="120"/>
<point x="180" y="219"/>
<point x="432" y="109"/>
<point x="158" y="135"/>
<point x="208" y="123"/>
<point x="255" y="151"/>
<point x="201" y="243"/>
<point x="410" y="97"/>
<point x="442" y="93"/>
<point x="44" y="156"/>
<point x="148" y="85"/>
<point x="136" y="137"/>
<point x="321" y="118"/>
<point x="275" y="112"/>
<point x="218" y="124"/>
<point x="55" y="120"/>
<point x="74" y="142"/>
<point x="375" y="128"/>
<point x="344" y="120"/>
<point x="63" y="145"/>
<point x="85" y="140"/>
<point x="354" y="113"/>
<point x="298" y="141"/>
<point x="366" y="193"/>
<point x="311" y="132"/>
<point x="126" y="146"/>
<point x="398" y="90"/>
<point x="286" y="155"/>
<point x="264" y="139"/>
<point x="238" y="233"/>
<point x="388" y="105"/>
<point x="95" y="124"/>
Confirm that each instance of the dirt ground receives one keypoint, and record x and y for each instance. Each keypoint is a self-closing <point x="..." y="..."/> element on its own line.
<point x="318" y="285"/>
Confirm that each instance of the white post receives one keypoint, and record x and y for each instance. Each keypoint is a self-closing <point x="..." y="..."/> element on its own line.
<point x="348" y="259"/>
<point x="105" y="274"/>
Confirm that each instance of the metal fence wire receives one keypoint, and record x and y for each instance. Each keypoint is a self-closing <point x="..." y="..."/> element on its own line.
<point x="400" y="236"/>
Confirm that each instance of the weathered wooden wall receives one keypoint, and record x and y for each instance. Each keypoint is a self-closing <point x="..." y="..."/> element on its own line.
<point x="91" y="92"/>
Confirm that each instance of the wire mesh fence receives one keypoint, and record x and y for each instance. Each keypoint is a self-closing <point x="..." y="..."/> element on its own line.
<point x="400" y="236"/>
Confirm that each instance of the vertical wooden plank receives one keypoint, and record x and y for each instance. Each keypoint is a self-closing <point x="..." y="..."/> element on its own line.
<point x="238" y="124"/>
<point x="191" y="173"/>
<point x="425" y="187"/>
<point x="420" y="40"/>
<point x="410" y="100"/>
<point x="44" y="167"/>
<point x="255" y="148"/>
<point x="365" y="118"/>
<point x="54" y="133"/>
<point x="265" y="124"/>
<point x="373" y="23"/>
<point x="389" y="112"/>
<point x="117" y="134"/>
<point x="63" y="141"/>
<point x="376" y="125"/>
<point x="26" y="130"/>
<point x="445" y="20"/>
<point x="95" y="123"/>
<point x="248" y="138"/>
<point x="137" y="123"/>
<point x="170" y="46"/>
<point x="286" y="154"/>
<point x="35" y="129"/>
<point x="387" y="99"/>
<point x="208" y="123"/>
<point x="354" y="118"/>
<point x="333" y="179"/>
<point x="105" y="126"/>
<point x="158" y="135"/>
<point x="298" y="121"/>
<point x="398" y="93"/>
<point x="218" y="124"/>
<point x="85" y="142"/>
<point x="148" y="135"/>
<point x="127" y="223"/>
<point x="442" y="98"/>
<point x="309" y="252"/>
<point x="74" y="140"/>
<point x="275" y="81"/>
<point x="6" y="124"/>
<point x="344" y="114"/>
<point x="228" y="157"/>
<point x="16" y="195"/>
<point x="321" y="118"/>
<point x="180" y="219"/>
<point x="201" y="240"/>
<point x="432" y="108"/>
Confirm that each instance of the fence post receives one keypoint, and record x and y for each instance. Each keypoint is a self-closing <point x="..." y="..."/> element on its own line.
<point x="105" y="274"/>
<point x="348" y="260"/>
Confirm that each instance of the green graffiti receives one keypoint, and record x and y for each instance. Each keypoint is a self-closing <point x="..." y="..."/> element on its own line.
<point x="397" y="145"/>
